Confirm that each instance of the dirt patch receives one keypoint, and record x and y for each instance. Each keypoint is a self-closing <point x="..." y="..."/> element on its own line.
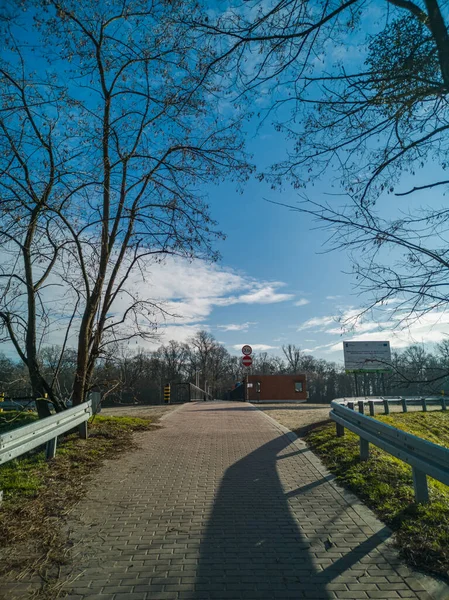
<point x="33" y="545"/>
<point x="300" y="418"/>
<point x="143" y="412"/>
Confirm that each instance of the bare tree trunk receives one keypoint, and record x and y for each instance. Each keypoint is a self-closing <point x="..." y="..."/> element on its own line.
<point x="440" y="34"/>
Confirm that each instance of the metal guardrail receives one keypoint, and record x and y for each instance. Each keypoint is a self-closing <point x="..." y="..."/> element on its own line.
<point x="423" y="401"/>
<point x="387" y="401"/>
<point x="18" y="441"/>
<point x="424" y="457"/>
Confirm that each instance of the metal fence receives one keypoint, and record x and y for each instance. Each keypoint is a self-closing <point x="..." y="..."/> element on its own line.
<point x="424" y="457"/>
<point x="19" y="441"/>
<point x="386" y="402"/>
<point x="188" y="392"/>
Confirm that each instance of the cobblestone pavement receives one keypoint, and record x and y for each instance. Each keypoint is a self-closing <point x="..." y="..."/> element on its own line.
<point x="220" y="504"/>
<point x="139" y="410"/>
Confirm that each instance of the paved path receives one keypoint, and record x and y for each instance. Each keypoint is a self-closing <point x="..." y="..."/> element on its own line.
<point x="219" y="504"/>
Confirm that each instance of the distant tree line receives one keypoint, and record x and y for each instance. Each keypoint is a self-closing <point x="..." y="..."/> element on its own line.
<point x="124" y="376"/>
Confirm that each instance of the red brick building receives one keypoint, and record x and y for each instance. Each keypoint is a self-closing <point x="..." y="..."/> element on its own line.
<point x="277" y="388"/>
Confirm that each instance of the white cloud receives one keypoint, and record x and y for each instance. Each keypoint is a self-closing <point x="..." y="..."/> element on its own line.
<point x="357" y="327"/>
<point x="319" y="322"/>
<point x="302" y="302"/>
<point x="256" y="347"/>
<point x="190" y="290"/>
<point x="333" y="297"/>
<point x="432" y="327"/>
<point x="178" y="333"/>
<point x="264" y="294"/>
<point x="187" y="291"/>
<point x="237" y="326"/>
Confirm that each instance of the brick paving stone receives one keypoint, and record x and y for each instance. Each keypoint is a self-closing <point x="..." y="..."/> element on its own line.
<point x="221" y="503"/>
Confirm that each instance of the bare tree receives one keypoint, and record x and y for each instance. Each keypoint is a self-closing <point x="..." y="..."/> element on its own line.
<point x="365" y="122"/>
<point x="293" y="355"/>
<point x="174" y="356"/>
<point x="264" y="364"/>
<point x="109" y="122"/>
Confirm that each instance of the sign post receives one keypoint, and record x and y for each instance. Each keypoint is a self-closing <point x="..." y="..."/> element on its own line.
<point x="247" y="361"/>
<point x="367" y="357"/>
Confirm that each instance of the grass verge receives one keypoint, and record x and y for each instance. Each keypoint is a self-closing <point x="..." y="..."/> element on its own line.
<point x="12" y="419"/>
<point x="385" y="484"/>
<point x="39" y="494"/>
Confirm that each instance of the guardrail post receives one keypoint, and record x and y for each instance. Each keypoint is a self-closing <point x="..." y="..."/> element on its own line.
<point x="364" y="449"/>
<point x="443" y="404"/>
<point x="420" y="486"/>
<point x="361" y="407"/>
<point x="50" y="450"/>
<point x="44" y="431"/>
<point x="386" y="407"/>
<point x="424" y="404"/>
<point x="83" y="430"/>
<point x="371" y="407"/>
<point x="404" y="404"/>
<point x="425" y="458"/>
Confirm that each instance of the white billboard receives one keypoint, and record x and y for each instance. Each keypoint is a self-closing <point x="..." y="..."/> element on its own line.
<point x="367" y="357"/>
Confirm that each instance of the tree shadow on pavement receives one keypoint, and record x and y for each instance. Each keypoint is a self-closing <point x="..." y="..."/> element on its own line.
<point x="254" y="547"/>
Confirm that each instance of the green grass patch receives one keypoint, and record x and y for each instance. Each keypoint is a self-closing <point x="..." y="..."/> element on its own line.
<point x="385" y="484"/>
<point x="25" y="476"/>
<point x="14" y="418"/>
<point x="38" y="494"/>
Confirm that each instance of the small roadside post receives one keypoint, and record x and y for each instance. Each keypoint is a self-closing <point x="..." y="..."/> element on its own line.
<point x="247" y="361"/>
<point x="167" y="393"/>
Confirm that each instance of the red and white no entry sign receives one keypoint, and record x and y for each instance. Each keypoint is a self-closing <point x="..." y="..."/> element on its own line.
<point x="247" y="350"/>
<point x="247" y="361"/>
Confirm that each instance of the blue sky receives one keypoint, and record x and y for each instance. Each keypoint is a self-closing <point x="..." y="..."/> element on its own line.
<point x="299" y="290"/>
<point x="275" y="283"/>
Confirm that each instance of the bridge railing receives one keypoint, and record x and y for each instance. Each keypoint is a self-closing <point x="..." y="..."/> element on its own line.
<point x="197" y="393"/>
<point x="425" y="458"/>
<point x="18" y="441"/>
<point x="388" y="401"/>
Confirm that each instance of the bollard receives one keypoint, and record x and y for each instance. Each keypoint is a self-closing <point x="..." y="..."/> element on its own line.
<point x="82" y="429"/>
<point x="50" y="450"/>
<point x="167" y="393"/>
<point x="420" y="486"/>
<point x="364" y="449"/>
